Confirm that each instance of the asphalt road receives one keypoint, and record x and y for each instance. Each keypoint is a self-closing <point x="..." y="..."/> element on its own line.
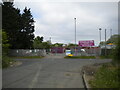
<point x="51" y="72"/>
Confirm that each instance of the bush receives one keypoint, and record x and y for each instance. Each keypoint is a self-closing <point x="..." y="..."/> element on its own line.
<point x="116" y="52"/>
<point x="5" y="48"/>
<point x="106" y="77"/>
<point x="6" y="61"/>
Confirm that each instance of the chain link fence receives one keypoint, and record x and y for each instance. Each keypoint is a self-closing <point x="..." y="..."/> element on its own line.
<point x="85" y="51"/>
<point x="27" y="52"/>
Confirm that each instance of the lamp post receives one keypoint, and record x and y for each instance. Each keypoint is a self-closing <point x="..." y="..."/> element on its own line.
<point x="75" y="35"/>
<point x="111" y="37"/>
<point x="105" y="42"/>
<point x="111" y="32"/>
<point x="50" y="43"/>
<point x="100" y="33"/>
<point x="100" y="38"/>
<point x="50" y="40"/>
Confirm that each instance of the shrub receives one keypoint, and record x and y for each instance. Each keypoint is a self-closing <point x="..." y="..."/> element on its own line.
<point x="106" y="77"/>
<point x="6" y="61"/>
<point x="116" y="52"/>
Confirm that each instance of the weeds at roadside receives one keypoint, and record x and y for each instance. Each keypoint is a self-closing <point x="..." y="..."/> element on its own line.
<point x="106" y="77"/>
<point x="28" y="57"/>
<point x="6" y="61"/>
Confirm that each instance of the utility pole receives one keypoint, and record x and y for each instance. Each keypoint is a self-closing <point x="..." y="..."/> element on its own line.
<point x="105" y="42"/>
<point x="75" y="35"/>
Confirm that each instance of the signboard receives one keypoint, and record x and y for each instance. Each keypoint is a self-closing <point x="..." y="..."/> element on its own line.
<point x="68" y="52"/>
<point x="87" y="43"/>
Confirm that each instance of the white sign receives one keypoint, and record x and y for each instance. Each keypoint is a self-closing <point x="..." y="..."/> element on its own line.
<point x="68" y="52"/>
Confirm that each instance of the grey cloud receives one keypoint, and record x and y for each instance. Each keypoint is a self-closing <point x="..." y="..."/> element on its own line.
<point x="56" y="20"/>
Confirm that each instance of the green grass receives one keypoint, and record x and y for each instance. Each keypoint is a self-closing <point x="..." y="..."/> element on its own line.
<point x="80" y="57"/>
<point x="6" y="61"/>
<point x="27" y="57"/>
<point x="105" y="57"/>
<point x="106" y="77"/>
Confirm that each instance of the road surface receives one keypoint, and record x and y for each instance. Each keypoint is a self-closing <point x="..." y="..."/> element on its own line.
<point x="52" y="71"/>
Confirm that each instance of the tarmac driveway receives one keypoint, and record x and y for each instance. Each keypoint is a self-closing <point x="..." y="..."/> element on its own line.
<point x="51" y="72"/>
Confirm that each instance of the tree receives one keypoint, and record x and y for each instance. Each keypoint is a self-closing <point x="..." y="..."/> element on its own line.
<point x="46" y="45"/>
<point x="11" y="22"/>
<point x="37" y="44"/>
<point x="26" y="33"/>
<point x="5" y="48"/>
<point x="39" y="39"/>
<point x="57" y="45"/>
<point x="19" y="27"/>
<point x="5" y="44"/>
<point x="71" y="45"/>
<point x="113" y="39"/>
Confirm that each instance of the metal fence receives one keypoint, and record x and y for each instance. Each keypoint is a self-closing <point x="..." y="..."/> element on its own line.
<point x="27" y="52"/>
<point x="107" y="52"/>
<point x="44" y="52"/>
<point x="86" y="52"/>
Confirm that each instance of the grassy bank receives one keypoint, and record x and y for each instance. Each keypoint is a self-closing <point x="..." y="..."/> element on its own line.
<point x="106" y="77"/>
<point x="6" y="61"/>
<point x="80" y="57"/>
<point x="28" y="57"/>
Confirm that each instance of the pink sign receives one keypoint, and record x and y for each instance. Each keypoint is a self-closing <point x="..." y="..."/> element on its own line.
<point x="87" y="43"/>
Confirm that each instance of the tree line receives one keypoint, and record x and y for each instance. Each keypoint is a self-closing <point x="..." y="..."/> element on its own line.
<point x="113" y="39"/>
<point x="18" y="26"/>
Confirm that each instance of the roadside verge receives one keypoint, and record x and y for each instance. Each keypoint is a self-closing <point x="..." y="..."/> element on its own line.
<point x="88" y="74"/>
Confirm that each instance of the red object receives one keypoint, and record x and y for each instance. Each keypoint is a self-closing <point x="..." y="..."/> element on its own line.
<point x="87" y="43"/>
<point x="57" y="50"/>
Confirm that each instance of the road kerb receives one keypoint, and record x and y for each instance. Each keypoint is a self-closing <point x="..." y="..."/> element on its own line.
<point x="87" y="87"/>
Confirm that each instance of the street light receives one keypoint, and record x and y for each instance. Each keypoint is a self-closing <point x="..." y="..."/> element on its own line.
<point x="100" y="38"/>
<point x="75" y="35"/>
<point x="100" y="33"/>
<point x="111" y="37"/>
<point x="50" y="40"/>
<point x="111" y="32"/>
<point x="105" y="42"/>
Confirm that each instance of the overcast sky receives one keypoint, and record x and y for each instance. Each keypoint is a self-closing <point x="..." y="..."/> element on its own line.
<point x="56" y="20"/>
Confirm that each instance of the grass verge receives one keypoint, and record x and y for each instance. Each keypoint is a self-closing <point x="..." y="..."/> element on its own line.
<point x="106" y="77"/>
<point x="80" y="57"/>
<point x="28" y="57"/>
<point x="105" y="57"/>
